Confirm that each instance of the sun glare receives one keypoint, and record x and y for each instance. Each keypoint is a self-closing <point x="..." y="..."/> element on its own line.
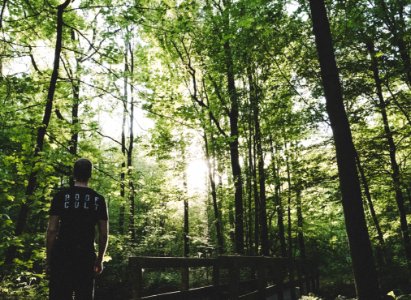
<point x="197" y="176"/>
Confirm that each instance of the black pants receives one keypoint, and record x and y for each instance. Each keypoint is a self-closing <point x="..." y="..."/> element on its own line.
<point x="71" y="273"/>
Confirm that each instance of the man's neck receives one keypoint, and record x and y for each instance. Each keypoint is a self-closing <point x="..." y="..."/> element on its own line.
<point x="81" y="183"/>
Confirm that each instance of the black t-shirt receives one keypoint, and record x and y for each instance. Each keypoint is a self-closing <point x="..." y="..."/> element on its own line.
<point x="79" y="209"/>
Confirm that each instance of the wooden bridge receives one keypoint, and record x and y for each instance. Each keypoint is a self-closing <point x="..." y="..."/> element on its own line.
<point x="232" y="277"/>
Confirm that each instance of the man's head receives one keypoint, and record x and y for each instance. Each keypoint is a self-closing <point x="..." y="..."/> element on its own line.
<point x="82" y="170"/>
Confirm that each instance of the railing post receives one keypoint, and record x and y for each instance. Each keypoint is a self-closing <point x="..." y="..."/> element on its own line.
<point x="233" y="285"/>
<point x="307" y="273"/>
<point x="185" y="281"/>
<point x="291" y="271"/>
<point x="300" y="277"/>
<point x="136" y="280"/>
<point x="317" y="279"/>
<point x="280" y="290"/>
<point x="216" y="279"/>
<point x="261" y="280"/>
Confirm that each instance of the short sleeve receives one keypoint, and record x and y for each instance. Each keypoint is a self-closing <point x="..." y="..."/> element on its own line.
<point x="56" y="207"/>
<point x="102" y="213"/>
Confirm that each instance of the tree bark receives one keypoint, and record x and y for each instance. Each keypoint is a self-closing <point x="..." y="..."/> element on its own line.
<point x="365" y="274"/>
<point x="41" y="132"/>
<point x="289" y="229"/>
<point x="211" y="178"/>
<point x="234" y="153"/>
<point x="300" y="224"/>
<point x="370" y="204"/>
<point x="395" y="174"/>
<point x="277" y="199"/>
<point x="3" y="8"/>
<point x="122" y="212"/>
<point x="131" y="196"/>
<point x="75" y="86"/>
<point x="256" y="195"/>
<point x="252" y="221"/>
<point x="260" y="165"/>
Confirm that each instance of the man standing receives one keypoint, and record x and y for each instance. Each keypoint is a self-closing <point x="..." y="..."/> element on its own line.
<point x="71" y="256"/>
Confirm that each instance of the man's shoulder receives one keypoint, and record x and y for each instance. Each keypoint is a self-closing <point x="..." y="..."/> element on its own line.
<point x="97" y="194"/>
<point x="61" y="190"/>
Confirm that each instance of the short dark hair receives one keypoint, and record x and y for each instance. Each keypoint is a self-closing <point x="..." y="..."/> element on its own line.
<point x="82" y="169"/>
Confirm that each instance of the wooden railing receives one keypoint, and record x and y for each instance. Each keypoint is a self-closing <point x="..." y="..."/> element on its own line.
<point x="269" y="276"/>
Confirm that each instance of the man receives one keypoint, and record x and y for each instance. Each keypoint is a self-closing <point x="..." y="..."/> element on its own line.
<point x="71" y="257"/>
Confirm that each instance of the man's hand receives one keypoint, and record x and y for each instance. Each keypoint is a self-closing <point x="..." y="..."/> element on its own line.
<point x="98" y="267"/>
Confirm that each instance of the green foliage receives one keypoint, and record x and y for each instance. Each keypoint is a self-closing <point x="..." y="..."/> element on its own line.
<point x="180" y="52"/>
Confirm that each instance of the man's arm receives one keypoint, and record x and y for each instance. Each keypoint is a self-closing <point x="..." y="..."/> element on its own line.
<point x="102" y="245"/>
<point x="52" y="231"/>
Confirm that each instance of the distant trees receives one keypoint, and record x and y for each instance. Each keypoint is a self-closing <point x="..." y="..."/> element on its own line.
<point x="238" y="83"/>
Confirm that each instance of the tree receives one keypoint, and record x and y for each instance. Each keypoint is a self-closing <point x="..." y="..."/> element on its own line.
<point x="41" y="132"/>
<point x="360" y="246"/>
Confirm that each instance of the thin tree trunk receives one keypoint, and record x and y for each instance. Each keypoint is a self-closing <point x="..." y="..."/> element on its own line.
<point x="300" y="224"/>
<point x="252" y="229"/>
<point x="131" y="196"/>
<point x="122" y="212"/>
<point x="217" y="217"/>
<point x="260" y="165"/>
<point x="41" y="132"/>
<point x="289" y="229"/>
<point x="73" y="145"/>
<point x="370" y="204"/>
<point x="256" y="197"/>
<point x="3" y="8"/>
<point x="234" y="153"/>
<point x="395" y="175"/>
<point x="186" y="227"/>
<point x="365" y="274"/>
<point x="277" y="199"/>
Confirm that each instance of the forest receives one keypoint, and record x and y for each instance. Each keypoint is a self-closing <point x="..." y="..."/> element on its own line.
<point x="215" y="127"/>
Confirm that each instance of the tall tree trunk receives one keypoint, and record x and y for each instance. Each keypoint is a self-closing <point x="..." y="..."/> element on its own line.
<point x="370" y="204"/>
<point x="365" y="274"/>
<point x="186" y="228"/>
<point x="300" y="224"/>
<point x="277" y="199"/>
<point x="41" y="132"/>
<point x="234" y="153"/>
<point x="131" y="196"/>
<point x="395" y="175"/>
<point x="256" y="195"/>
<point x="252" y="228"/>
<point x="75" y="81"/>
<point x="260" y="165"/>
<point x="289" y="229"/>
<point x="211" y="178"/>
<point x="122" y="212"/>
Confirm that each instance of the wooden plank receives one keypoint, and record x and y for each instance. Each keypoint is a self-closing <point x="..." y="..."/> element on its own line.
<point x="195" y="293"/>
<point x="171" y="262"/>
<point x="254" y="295"/>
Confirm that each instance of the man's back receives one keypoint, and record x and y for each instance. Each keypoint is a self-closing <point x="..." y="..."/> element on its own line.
<point x="79" y="209"/>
